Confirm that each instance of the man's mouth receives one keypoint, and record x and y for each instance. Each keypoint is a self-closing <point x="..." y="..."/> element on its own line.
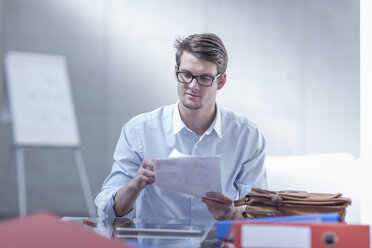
<point x="192" y="95"/>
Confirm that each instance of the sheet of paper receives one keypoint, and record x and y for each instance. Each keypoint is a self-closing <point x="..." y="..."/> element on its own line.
<point x="193" y="175"/>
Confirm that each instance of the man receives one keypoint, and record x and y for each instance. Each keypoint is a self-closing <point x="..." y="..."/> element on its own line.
<point x="195" y="125"/>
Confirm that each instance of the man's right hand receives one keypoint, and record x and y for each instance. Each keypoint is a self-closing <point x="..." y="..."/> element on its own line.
<point x="127" y="195"/>
<point x="145" y="175"/>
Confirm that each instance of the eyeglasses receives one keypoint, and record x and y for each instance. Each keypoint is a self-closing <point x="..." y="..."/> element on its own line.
<point x="203" y="80"/>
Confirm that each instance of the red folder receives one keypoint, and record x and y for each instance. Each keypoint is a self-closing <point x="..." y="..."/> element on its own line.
<point x="304" y="235"/>
<point x="46" y="230"/>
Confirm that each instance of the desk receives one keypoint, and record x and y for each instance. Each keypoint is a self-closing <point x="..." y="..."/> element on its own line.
<point x="199" y="235"/>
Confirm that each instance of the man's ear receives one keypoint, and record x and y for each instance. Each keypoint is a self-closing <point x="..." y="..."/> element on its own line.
<point x="175" y="71"/>
<point x="222" y="81"/>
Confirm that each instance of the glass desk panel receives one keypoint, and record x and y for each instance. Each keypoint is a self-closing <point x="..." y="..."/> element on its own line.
<point x="152" y="233"/>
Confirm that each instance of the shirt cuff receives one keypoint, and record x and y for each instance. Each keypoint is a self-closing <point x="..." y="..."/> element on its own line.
<point x="105" y="203"/>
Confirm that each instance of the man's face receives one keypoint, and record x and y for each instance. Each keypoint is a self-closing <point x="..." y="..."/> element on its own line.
<point x="193" y="95"/>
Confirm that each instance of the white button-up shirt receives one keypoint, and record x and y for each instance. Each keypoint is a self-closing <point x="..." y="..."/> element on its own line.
<point x="156" y="134"/>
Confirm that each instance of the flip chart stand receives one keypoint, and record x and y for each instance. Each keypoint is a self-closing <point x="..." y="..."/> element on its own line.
<point x="21" y="178"/>
<point x="41" y="112"/>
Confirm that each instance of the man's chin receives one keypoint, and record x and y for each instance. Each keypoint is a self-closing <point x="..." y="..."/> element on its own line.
<point x="192" y="106"/>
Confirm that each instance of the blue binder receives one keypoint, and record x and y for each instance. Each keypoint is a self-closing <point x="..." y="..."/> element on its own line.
<point x="224" y="225"/>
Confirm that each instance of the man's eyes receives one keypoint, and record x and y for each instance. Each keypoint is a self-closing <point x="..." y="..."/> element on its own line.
<point x="186" y="74"/>
<point x="205" y="78"/>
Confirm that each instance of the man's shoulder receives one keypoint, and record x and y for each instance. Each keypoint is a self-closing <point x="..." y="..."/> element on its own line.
<point x="237" y="126"/>
<point x="230" y="117"/>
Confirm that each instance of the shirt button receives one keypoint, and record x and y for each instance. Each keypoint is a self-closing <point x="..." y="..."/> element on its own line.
<point x="196" y="146"/>
<point x="184" y="132"/>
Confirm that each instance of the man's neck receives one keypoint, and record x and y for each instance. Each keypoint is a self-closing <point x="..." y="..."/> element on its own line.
<point x="197" y="120"/>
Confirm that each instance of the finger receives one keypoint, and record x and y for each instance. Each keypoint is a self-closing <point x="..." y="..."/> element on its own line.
<point x="149" y="174"/>
<point x="216" y="204"/>
<point x="151" y="180"/>
<point x="146" y="180"/>
<point x="219" y="197"/>
<point x="148" y="164"/>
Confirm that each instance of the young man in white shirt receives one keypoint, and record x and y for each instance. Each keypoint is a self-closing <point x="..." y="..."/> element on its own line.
<point x="195" y="125"/>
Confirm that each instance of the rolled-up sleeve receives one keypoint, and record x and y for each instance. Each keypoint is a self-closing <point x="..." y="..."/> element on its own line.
<point x="127" y="161"/>
<point x="105" y="202"/>
<point x="253" y="171"/>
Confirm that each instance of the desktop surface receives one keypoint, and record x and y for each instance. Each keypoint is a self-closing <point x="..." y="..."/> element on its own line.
<point x="152" y="233"/>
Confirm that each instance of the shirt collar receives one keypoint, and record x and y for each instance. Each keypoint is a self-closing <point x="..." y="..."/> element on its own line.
<point x="178" y="124"/>
<point x="216" y="124"/>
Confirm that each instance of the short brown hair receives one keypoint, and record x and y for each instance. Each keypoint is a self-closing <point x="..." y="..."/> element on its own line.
<point x="205" y="46"/>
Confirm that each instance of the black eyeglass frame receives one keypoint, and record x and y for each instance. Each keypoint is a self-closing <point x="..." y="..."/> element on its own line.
<point x="196" y="77"/>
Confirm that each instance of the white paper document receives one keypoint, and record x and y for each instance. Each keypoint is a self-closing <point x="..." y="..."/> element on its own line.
<point x="192" y="175"/>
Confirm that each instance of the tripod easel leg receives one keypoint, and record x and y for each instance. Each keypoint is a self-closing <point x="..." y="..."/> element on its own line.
<point x="85" y="182"/>
<point x="22" y="202"/>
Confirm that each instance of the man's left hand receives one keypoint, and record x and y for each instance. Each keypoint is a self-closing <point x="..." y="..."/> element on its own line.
<point x="221" y="206"/>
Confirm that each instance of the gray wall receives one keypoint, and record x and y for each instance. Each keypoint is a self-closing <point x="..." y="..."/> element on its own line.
<point x="293" y="69"/>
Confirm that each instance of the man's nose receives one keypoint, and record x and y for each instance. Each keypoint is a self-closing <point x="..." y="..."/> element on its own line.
<point x="194" y="84"/>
